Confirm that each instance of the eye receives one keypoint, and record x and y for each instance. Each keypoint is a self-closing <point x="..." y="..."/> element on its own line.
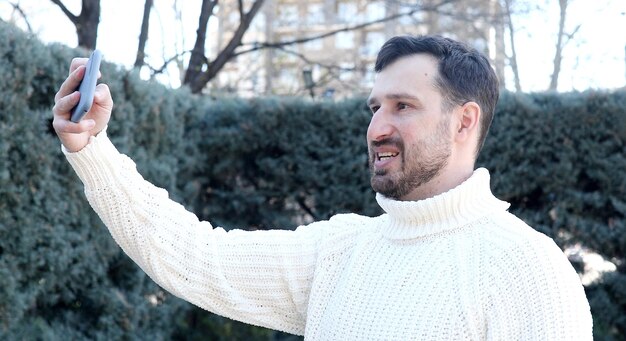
<point x="402" y="106"/>
<point x="374" y="108"/>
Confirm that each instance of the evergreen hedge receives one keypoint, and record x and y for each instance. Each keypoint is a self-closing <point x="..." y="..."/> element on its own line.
<point x="560" y="159"/>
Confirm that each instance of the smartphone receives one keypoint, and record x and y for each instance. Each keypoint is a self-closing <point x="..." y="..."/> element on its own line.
<point x="87" y="87"/>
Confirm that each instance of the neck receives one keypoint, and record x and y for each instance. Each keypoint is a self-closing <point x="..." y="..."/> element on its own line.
<point x="459" y="206"/>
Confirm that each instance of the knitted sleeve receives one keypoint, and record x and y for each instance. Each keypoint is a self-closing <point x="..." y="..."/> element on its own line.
<point x="534" y="293"/>
<point x="261" y="278"/>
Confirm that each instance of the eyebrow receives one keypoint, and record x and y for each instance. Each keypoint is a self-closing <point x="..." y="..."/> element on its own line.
<point x="396" y="96"/>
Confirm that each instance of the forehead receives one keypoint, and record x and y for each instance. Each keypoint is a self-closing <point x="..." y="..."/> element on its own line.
<point x="414" y="75"/>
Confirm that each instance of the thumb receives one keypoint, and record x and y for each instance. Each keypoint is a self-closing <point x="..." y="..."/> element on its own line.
<point x="102" y="96"/>
<point x="87" y="124"/>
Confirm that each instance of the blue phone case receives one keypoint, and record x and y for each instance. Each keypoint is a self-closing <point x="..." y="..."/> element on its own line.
<point x="87" y="87"/>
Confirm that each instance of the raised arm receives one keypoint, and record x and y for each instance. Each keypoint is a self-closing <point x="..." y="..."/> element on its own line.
<point x="262" y="278"/>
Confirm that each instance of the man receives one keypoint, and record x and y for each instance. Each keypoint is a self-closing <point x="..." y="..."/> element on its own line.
<point x="446" y="261"/>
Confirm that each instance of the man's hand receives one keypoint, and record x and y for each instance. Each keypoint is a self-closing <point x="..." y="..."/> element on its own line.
<point x="75" y="136"/>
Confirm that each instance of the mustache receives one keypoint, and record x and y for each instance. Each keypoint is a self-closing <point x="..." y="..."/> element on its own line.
<point x="387" y="142"/>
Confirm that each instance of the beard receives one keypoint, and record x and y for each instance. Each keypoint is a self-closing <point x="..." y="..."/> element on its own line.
<point x="420" y="163"/>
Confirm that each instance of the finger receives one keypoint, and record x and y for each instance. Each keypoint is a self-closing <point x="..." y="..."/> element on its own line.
<point x="65" y="104"/>
<point x="76" y="62"/>
<point x="71" y="83"/>
<point x="63" y="126"/>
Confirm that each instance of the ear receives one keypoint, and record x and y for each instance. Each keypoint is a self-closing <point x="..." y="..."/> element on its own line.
<point x="468" y="124"/>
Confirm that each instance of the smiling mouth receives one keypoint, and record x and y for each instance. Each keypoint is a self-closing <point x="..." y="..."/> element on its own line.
<point x="385" y="156"/>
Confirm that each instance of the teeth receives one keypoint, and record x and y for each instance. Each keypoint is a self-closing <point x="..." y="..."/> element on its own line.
<point x="384" y="156"/>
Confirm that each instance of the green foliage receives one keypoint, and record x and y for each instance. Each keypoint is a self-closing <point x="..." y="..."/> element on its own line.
<point x="560" y="159"/>
<point x="276" y="162"/>
<point x="61" y="275"/>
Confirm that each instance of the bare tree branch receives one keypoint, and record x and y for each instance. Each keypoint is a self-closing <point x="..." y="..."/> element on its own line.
<point x="241" y="11"/>
<point x="161" y="69"/>
<point x="312" y="62"/>
<point x="73" y="18"/>
<point x="570" y="36"/>
<point x="196" y="76"/>
<point x="306" y="208"/>
<point x="333" y="71"/>
<point x="227" y="53"/>
<point x="264" y="45"/>
<point x="17" y="8"/>
<point x="477" y="13"/>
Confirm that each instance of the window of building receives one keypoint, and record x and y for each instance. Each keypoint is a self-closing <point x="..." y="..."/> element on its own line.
<point x="368" y="77"/>
<point x="287" y="77"/>
<point x="347" y="11"/>
<point x="411" y="20"/>
<point x="315" y="14"/>
<point x="314" y="45"/>
<point x="233" y="18"/>
<point x="258" y="23"/>
<point x="287" y="15"/>
<point x="375" y="10"/>
<point x="346" y="71"/>
<point x="373" y="42"/>
<point x="344" y="40"/>
<point x="283" y="56"/>
<point x="479" y="44"/>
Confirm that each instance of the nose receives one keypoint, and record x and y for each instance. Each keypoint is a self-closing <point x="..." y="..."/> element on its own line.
<point x="380" y="126"/>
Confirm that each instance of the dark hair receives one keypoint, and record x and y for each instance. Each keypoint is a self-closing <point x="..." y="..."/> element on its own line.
<point x="464" y="74"/>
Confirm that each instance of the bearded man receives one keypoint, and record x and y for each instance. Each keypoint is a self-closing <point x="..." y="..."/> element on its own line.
<point x="447" y="261"/>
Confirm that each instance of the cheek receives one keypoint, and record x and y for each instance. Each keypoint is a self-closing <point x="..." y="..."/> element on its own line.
<point x="447" y="130"/>
<point x="412" y="132"/>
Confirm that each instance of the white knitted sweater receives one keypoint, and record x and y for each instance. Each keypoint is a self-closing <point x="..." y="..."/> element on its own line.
<point x="457" y="266"/>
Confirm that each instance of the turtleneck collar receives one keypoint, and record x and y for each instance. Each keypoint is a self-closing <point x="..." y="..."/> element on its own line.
<point x="457" y="207"/>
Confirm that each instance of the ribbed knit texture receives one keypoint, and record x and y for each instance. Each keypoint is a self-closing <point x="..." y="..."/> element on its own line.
<point x="454" y="267"/>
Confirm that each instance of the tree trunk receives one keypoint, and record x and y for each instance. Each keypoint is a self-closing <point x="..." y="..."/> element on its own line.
<point x="203" y="77"/>
<point x="198" y="59"/>
<point x="554" y="80"/>
<point x="143" y="35"/>
<point x="87" y="26"/>
<point x="500" y="51"/>
<point x="86" y="23"/>
<point x="513" y="58"/>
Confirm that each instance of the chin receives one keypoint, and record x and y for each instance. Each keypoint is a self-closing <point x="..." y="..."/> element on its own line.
<point x="386" y="186"/>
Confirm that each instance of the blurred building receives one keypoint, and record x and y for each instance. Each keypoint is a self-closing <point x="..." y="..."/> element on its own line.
<point x="341" y="64"/>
